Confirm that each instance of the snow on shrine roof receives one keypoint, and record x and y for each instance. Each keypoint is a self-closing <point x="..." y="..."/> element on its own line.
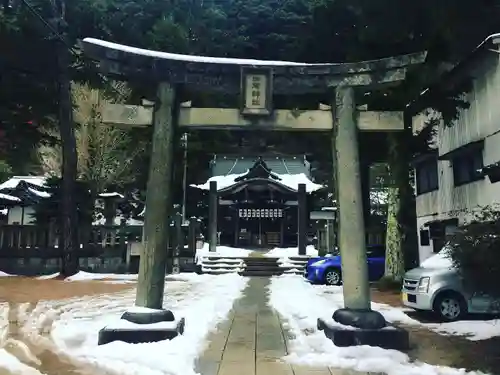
<point x="9" y="198"/>
<point x="191" y="58"/>
<point x="16" y="180"/>
<point x="290" y="181"/>
<point x="224" y="164"/>
<point x="111" y="195"/>
<point x="41" y="194"/>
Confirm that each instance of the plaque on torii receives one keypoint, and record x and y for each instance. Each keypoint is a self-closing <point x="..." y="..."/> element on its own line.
<point x="256" y="91"/>
<point x="256" y="81"/>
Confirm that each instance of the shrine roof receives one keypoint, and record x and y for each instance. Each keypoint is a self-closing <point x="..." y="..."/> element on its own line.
<point x="6" y="199"/>
<point x="260" y="174"/>
<point x="232" y="164"/>
<point x="32" y="181"/>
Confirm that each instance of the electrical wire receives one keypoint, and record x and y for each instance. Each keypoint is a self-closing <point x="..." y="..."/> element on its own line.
<point x="69" y="47"/>
<point x="48" y="25"/>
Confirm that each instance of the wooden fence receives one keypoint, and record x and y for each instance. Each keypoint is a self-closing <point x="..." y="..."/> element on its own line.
<point x="25" y="241"/>
<point x="36" y="249"/>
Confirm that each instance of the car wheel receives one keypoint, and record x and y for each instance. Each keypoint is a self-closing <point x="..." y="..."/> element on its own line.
<point x="333" y="276"/>
<point x="450" y="306"/>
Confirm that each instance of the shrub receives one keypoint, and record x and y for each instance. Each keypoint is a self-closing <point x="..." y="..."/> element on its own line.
<point x="475" y="251"/>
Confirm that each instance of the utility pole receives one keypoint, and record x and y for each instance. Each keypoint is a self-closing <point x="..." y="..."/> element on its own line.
<point x="69" y="215"/>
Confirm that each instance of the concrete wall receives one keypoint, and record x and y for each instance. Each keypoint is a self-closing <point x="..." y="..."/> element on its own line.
<point x="479" y="122"/>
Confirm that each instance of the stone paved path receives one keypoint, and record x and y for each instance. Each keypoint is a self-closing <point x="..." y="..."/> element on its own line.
<point x="252" y="340"/>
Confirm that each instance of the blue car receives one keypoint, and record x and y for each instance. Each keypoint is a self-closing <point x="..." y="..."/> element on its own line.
<point x="327" y="270"/>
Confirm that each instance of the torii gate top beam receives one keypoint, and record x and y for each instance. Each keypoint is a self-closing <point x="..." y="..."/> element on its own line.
<point x="223" y="74"/>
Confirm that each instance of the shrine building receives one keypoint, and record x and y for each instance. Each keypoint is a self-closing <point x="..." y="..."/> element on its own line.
<point x="258" y="198"/>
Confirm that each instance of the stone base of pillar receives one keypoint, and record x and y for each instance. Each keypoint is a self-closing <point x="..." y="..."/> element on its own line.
<point x="363" y="319"/>
<point x="135" y="326"/>
<point x="371" y="332"/>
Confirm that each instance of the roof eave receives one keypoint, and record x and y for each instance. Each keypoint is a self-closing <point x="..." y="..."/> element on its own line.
<point x="493" y="39"/>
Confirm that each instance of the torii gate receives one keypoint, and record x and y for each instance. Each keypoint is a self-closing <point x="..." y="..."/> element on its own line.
<point x="256" y="81"/>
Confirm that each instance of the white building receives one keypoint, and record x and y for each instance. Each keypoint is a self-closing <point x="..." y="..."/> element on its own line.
<point x="27" y="190"/>
<point x="459" y="175"/>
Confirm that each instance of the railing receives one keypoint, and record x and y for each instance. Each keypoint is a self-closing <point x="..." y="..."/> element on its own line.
<point x="45" y="241"/>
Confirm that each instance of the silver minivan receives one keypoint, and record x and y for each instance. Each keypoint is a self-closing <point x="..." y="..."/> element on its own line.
<point x="437" y="286"/>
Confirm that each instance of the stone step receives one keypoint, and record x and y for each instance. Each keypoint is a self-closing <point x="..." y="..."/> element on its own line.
<point x="260" y="273"/>
<point x="264" y="266"/>
<point x="260" y="260"/>
<point x="219" y="272"/>
<point x="253" y="266"/>
<point x="221" y="259"/>
<point x="222" y="262"/>
<point x="221" y="267"/>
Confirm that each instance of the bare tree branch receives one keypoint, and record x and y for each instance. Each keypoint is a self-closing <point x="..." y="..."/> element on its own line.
<point x="106" y="154"/>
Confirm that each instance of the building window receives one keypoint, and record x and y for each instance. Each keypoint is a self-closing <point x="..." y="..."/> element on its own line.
<point x="427" y="176"/>
<point x="425" y="238"/>
<point x="466" y="167"/>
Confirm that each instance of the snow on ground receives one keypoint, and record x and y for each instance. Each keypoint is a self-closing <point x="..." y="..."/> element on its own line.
<point x="84" y="276"/>
<point x="203" y="300"/>
<point x="221" y="251"/>
<point x="287" y="252"/>
<point x="472" y="330"/>
<point x="311" y="347"/>
<point x="11" y="365"/>
<point x="4" y="274"/>
<point x="88" y="276"/>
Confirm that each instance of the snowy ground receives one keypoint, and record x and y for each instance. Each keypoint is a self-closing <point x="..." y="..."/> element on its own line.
<point x="70" y="327"/>
<point x="287" y="252"/>
<point x="87" y="276"/>
<point x="472" y="330"/>
<point x="311" y="347"/>
<point x="236" y="252"/>
<point x="221" y="251"/>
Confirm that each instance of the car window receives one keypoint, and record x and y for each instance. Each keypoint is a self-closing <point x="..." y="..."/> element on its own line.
<point x="376" y="251"/>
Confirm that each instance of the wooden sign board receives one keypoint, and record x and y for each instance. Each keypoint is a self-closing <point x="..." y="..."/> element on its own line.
<point x="256" y="91"/>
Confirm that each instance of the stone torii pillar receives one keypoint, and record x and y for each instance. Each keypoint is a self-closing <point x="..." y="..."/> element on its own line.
<point x="151" y="281"/>
<point x="364" y="325"/>
<point x="352" y="242"/>
<point x="152" y="264"/>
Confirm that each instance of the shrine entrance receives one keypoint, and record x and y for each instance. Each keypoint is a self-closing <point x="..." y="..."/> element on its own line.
<point x="259" y="232"/>
<point x="257" y="84"/>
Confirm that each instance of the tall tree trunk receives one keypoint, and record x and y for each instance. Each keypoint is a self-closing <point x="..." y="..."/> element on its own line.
<point x="394" y="261"/>
<point x="401" y="220"/>
<point x="69" y="230"/>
